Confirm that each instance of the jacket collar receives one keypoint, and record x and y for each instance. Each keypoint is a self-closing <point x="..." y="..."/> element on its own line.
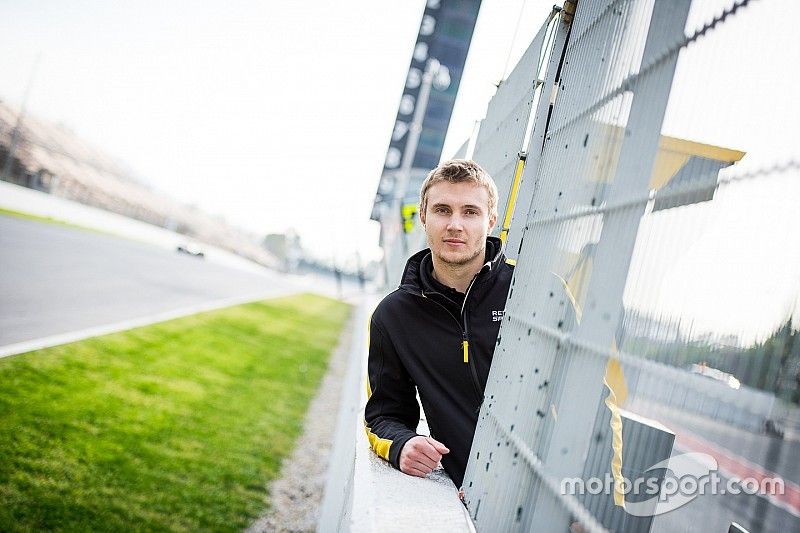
<point x="419" y="267"/>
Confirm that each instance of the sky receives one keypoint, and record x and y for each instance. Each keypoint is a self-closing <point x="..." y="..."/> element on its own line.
<point x="731" y="265"/>
<point x="276" y="115"/>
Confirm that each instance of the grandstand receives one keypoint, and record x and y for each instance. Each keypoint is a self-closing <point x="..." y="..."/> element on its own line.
<point x="50" y="158"/>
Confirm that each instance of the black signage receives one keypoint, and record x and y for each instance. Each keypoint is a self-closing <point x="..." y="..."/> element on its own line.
<point x="444" y="35"/>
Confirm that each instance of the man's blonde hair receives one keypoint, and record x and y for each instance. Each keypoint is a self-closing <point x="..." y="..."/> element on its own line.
<point x="459" y="171"/>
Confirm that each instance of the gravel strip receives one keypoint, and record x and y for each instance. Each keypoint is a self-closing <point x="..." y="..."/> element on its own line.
<point x="297" y="494"/>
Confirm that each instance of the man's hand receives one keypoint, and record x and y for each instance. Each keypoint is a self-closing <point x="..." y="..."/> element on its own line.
<point x="420" y="455"/>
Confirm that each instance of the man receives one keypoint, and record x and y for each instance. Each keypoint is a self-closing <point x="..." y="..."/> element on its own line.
<point x="438" y="330"/>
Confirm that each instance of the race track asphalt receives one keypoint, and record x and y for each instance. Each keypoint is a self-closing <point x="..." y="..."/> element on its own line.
<point x="56" y="279"/>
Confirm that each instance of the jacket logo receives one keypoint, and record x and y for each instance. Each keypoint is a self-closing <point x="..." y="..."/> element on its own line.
<point x="497" y="316"/>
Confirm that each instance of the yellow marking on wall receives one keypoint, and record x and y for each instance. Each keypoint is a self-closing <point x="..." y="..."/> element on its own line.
<point x="614" y="380"/>
<point x="512" y="198"/>
<point x="617" y="394"/>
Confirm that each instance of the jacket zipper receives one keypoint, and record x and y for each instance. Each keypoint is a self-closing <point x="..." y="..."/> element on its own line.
<point x="472" y="366"/>
<point x="462" y="326"/>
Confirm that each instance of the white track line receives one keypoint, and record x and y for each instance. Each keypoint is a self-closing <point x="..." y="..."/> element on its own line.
<point x="72" y="336"/>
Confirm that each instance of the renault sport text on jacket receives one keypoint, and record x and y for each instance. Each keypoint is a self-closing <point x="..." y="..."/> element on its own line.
<point x="431" y="337"/>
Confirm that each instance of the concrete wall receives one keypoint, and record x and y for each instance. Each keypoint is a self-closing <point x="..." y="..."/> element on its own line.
<point x="365" y="493"/>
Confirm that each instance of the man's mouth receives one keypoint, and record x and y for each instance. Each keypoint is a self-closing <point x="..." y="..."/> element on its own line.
<point x="455" y="242"/>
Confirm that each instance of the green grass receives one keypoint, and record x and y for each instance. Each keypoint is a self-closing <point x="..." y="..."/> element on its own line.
<point x="176" y="426"/>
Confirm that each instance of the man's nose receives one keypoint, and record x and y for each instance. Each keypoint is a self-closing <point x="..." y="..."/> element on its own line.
<point x="455" y="223"/>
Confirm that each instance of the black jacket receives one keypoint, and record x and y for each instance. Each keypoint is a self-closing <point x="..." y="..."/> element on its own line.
<point x="420" y="337"/>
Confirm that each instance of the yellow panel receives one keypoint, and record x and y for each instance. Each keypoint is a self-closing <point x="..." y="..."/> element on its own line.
<point x="709" y="151"/>
<point x="667" y="164"/>
<point x="673" y="153"/>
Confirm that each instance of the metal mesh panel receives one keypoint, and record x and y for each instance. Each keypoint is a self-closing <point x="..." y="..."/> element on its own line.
<point x="502" y="133"/>
<point x="642" y="244"/>
<point x="601" y="144"/>
<point x="710" y="340"/>
<point x="538" y="127"/>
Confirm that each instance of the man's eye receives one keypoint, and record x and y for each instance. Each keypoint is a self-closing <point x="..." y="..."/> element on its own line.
<point x="471" y="212"/>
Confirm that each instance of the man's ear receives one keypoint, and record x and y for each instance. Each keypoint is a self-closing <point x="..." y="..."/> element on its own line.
<point x="492" y="221"/>
<point x="422" y="216"/>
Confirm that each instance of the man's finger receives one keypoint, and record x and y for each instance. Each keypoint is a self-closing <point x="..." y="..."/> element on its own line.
<point x="415" y="472"/>
<point x="423" y="459"/>
<point x="425" y="467"/>
<point x="440" y="448"/>
<point x="429" y="451"/>
<point x="413" y="467"/>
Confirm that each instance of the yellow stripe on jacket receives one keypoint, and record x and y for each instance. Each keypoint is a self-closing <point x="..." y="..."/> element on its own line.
<point x="379" y="445"/>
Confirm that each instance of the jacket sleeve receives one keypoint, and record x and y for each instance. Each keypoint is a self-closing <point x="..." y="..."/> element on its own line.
<point x="392" y="411"/>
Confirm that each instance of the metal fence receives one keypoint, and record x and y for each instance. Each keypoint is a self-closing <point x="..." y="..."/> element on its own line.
<point x="637" y="241"/>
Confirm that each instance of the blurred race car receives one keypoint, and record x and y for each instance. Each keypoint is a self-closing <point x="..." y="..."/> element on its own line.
<point x="190" y="249"/>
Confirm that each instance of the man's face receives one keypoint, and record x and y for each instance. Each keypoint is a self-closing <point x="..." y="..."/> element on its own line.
<point x="457" y="221"/>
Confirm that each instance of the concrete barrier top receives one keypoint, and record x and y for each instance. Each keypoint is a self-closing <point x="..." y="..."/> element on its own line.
<point x="364" y="493"/>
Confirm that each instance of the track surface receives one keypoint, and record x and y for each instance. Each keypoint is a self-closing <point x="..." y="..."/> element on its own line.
<point x="57" y="279"/>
